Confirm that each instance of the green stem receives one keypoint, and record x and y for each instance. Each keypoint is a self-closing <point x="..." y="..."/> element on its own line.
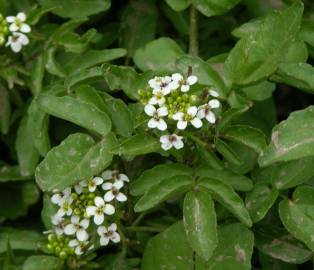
<point x="193" y="46"/>
<point x="143" y="229"/>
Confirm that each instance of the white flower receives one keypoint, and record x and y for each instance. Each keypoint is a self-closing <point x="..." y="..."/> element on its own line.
<point x="77" y="227"/>
<point x="156" y="121"/>
<point x="107" y="234"/>
<point x="99" y="210"/>
<point x="65" y="207"/>
<point x="115" y="175"/>
<point x="80" y="246"/>
<point x="17" y="41"/>
<point x="161" y="83"/>
<point x="79" y="187"/>
<point x="189" y="116"/>
<point x="58" y="223"/>
<point x="59" y="197"/>
<point x="17" y="23"/>
<point x="157" y="98"/>
<point x="169" y="141"/>
<point x="114" y="191"/>
<point x="213" y="93"/>
<point x="205" y="111"/>
<point x="179" y="81"/>
<point x="92" y="183"/>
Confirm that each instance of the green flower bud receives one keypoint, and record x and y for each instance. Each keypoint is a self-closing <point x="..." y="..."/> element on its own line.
<point x="50" y="247"/>
<point x="52" y="237"/>
<point x="193" y="99"/>
<point x="91" y="195"/>
<point x="77" y="211"/>
<point x="57" y="250"/>
<point x="63" y="255"/>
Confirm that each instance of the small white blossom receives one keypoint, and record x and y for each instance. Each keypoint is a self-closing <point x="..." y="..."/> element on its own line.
<point x="80" y="246"/>
<point x="114" y="191"/>
<point x="92" y="183"/>
<point x="17" y="41"/>
<point x="190" y="116"/>
<point x="77" y="227"/>
<point x="65" y="207"/>
<point x="17" y="23"/>
<point x="58" y="223"/>
<point x="161" y="83"/>
<point x="179" y="81"/>
<point x="99" y="210"/>
<point x="59" y="197"/>
<point x="107" y="234"/>
<point x="157" y="98"/>
<point x="205" y="111"/>
<point x="169" y="141"/>
<point x="79" y="187"/>
<point x="156" y="121"/>
<point x="115" y="175"/>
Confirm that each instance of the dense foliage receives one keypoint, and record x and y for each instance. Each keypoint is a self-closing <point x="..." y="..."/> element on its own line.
<point x="156" y="135"/>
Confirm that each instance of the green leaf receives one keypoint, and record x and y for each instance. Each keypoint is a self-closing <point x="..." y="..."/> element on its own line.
<point x="16" y="199"/>
<point x="178" y="5"/>
<point x="297" y="215"/>
<point x="259" y="200"/>
<point x="286" y="174"/>
<point x="19" y="239"/>
<point x="90" y="75"/>
<point x="76" y="111"/>
<point x="92" y="58"/>
<point x="298" y="75"/>
<point x="205" y="73"/>
<point x="150" y="178"/>
<point x="38" y="125"/>
<point x="42" y="262"/>
<point x="138" y="25"/>
<point x="27" y="154"/>
<point x="291" y="139"/>
<point x="76" y="8"/>
<point x="226" y="151"/>
<point x="208" y="157"/>
<point x="52" y="66"/>
<point x="137" y="145"/>
<point x="37" y="75"/>
<point x="126" y="79"/>
<point x="78" y="157"/>
<point x="225" y="195"/>
<point x="214" y="7"/>
<point x="258" y="55"/>
<point x="166" y="189"/>
<point x="249" y="136"/>
<point x="234" y="251"/>
<point x="12" y="173"/>
<point x="276" y="243"/>
<point x="5" y="110"/>
<point x="168" y="250"/>
<point x="260" y="91"/>
<point x="237" y="181"/>
<point x="199" y="219"/>
<point x="49" y="209"/>
<point x="148" y="58"/>
<point x="229" y="115"/>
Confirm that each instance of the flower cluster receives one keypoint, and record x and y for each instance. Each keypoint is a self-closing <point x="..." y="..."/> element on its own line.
<point x="90" y="201"/>
<point x="168" y="102"/>
<point x="16" y="28"/>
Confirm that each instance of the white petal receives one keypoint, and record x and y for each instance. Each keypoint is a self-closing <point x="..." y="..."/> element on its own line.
<point x="178" y="144"/>
<point x="106" y="186"/>
<point x="24" y="39"/>
<point x="98" y="180"/>
<point x="185" y="88"/>
<point x="196" y="122"/>
<point x="99" y="219"/>
<point x="115" y="238"/>
<point x="150" y="110"/>
<point x="124" y="177"/>
<point x="162" y="111"/>
<point x="21" y="16"/>
<point x="182" y="124"/>
<point x="121" y="197"/>
<point x="201" y="113"/>
<point x="113" y="227"/>
<point x="166" y="146"/>
<point x="192" y="111"/>
<point x="92" y="188"/>
<point x="109" y="209"/>
<point x="13" y="27"/>
<point x="81" y="235"/>
<point x="59" y="231"/>
<point x="10" y="19"/>
<point x="152" y="123"/>
<point x="91" y="210"/>
<point x="214" y="103"/>
<point x="99" y="201"/>
<point x="177" y="77"/>
<point x="84" y="223"/>
<point x="191" y="80"/>
<point x="25" y="28"/>
<point x="78" y="251"/>
<point x="73" y="243"/>
<point x="118" y="184"/>
<point x="101" y="230"/>
<point x="178" y="116"/>
<point x="153" y="101"/>
<point x="69" y="229"/>
<point x="166" y="90"/>
<point x="75" y="220"/>
<point x="109" y="196"/>
<point x="162" y="125"/>
<point x="61" y="212"/>
<point x="106" y="175"/>
<point x="16" y="47"/>
<point x="78" y="189"/>
<point x="213" y="93"/>
<point x="161" y="101"/>
<point x="174" y="85"/>
<point x="164" y="139"/>
<point x="56" y="198"/>
<point x="104" y="241"/>
<point x="211" y="118"/>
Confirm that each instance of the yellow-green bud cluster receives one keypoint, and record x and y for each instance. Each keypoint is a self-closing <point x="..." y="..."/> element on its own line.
<point x="144" y="95"/>
<point x="4" y="29"/>
<point x="59" y="246"/>
<point x="81" y="201"/>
